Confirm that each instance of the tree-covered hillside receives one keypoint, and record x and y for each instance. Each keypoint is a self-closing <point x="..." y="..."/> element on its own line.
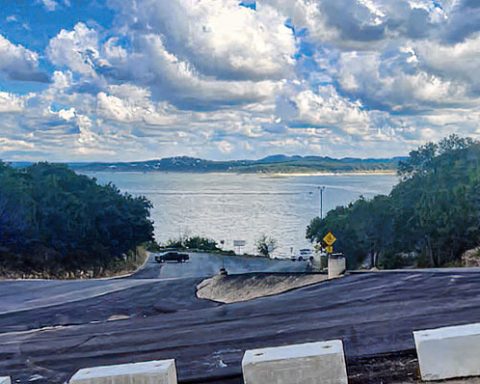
<point x="271" y="164"/>
<point x="430" y="218"/>
<point x="55" y="221"/>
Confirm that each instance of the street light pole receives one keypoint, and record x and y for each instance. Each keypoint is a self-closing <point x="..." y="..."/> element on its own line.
<point x="320" y="196"/>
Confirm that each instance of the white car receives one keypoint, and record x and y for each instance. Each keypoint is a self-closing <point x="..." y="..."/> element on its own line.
<point x="303" y="255"/>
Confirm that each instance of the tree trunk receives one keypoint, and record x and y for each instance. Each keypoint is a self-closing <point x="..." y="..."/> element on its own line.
<point x="429" y="251"/>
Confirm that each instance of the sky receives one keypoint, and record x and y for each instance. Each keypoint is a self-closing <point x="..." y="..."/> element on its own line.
<point x="122" y="80"/>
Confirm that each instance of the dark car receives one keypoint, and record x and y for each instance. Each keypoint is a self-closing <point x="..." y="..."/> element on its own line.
<point x="172" y="256"/>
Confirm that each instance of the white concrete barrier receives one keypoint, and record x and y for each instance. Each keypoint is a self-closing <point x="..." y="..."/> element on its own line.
<point x="5" y="380"/>
<point x="337" y="265"/>
<point x="449" y="352"/>
<point x="312" y="363"/>
<point x="152" y="372"/>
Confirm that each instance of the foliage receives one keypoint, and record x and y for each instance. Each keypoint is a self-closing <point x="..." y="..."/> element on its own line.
<point x="197" y="242"/>
<point x="266" y="245"/>
<point x="193" y="242"/>
<point x="432" y="213"/>
<point x="175" y="243"/>
<point x="52" y="218"/>
<point x="361" y="228"/>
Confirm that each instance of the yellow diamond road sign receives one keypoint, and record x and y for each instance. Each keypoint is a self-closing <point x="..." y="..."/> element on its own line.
<point x="329" y="239"/>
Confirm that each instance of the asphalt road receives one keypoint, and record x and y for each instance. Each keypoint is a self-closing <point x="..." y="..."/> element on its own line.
<point x="150" y="319"/>
<point x="204" y="264"/>
<point x="18" y="295"/>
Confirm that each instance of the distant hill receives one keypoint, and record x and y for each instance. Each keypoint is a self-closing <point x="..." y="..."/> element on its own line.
<point x="270" y="164"/>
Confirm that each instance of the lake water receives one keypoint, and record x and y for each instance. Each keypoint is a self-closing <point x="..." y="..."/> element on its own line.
<point x="243" y="206"/>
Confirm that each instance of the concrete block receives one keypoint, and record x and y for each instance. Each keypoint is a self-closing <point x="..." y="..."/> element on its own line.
<point x="152" y="372"/>
<point x="449" y="352"/>
<point x="312" y="363"/>
<point x="5" y="380"/>
<point x="337" y="265"/>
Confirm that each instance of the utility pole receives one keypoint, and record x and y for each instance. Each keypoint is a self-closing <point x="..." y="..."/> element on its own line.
<point x="320" y="197"/>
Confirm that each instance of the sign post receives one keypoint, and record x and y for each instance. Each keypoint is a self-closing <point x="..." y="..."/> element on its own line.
<point x="329" y="239"/>
<point x="336" y="261"/>
<point x="239" y="244"/>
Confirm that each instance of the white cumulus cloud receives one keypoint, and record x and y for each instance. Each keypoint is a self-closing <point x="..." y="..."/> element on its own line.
<point x="213" y="78"/>
<point x="76" y="49"/>
<point x="219" y="38"/>
<point x="10" y="102"/>
<point x="19" y="63"/>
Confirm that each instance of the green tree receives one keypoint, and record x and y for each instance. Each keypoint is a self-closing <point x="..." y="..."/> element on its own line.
<point x="433" y="212"/>
<point x="52" y="218"/>
<point x="266" y="245"/>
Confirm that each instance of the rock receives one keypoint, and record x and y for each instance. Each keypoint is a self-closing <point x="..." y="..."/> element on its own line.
<point x="471" y="258"/>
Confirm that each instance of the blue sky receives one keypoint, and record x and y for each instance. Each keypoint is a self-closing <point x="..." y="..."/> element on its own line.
<point x="142" y="79"/>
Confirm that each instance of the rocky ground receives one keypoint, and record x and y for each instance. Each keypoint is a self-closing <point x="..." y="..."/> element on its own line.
<point x="471" y="258"/>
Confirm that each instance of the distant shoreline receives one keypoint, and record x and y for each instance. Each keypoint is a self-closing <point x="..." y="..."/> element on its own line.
<point x="277" y="165"/>
<point x="342" y="173"/>
<point x="385" y="172"/>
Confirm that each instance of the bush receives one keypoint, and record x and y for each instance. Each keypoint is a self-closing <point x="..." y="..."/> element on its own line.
<point x="193" y="242"/>
<point x="202" y="243"/>
<point x="266" y="245"/>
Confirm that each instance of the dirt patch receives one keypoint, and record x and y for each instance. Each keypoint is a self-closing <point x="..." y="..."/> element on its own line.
<point x="235" y="288"/>
<point x="396" y="368"/>
<point x="399" y="368"/>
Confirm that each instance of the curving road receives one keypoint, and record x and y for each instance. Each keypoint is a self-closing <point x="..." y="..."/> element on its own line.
<point x="205" y="264"/>
<point x="20" y="295"/>
<point x="48" y="330"/>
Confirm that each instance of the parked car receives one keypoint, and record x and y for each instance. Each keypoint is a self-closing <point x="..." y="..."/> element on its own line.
<point x="304" y="254"/>
<point x="172" y="256"/>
